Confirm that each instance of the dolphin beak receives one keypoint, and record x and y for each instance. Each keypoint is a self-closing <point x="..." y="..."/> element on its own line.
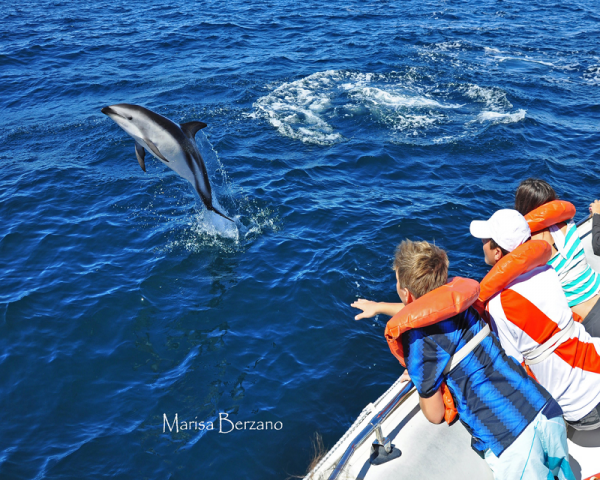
<point x="107" y="111"/>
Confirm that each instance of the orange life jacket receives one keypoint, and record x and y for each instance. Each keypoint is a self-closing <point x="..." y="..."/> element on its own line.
<point x="524" y="258"/>
<point x="433" y="307"/>
<point x="550" y="214"/>
<point x="547" y="215"/>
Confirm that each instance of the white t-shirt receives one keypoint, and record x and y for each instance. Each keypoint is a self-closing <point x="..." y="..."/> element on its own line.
<point x="528" y="312"/>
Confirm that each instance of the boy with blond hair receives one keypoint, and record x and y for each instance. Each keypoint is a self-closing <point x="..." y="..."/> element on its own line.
<point x="514" y="422"/>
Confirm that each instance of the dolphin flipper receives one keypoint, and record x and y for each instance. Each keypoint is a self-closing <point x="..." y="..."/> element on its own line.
<point x="155" y="150"/>
<point x="191" y="128"/>
<point x="140" y="153"/>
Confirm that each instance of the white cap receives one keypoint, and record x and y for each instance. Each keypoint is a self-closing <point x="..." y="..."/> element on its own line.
<point x="508" y="228"/>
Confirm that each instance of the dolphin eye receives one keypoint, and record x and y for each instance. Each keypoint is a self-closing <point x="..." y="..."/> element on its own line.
<point x="130" y="118"/>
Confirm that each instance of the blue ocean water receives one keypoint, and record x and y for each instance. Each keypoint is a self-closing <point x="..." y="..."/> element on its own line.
<point x="335" y="131"/>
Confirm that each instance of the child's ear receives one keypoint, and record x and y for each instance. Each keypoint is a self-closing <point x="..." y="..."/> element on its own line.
<point x="409" y="297"/>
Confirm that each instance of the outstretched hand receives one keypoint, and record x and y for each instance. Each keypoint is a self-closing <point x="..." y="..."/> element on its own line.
<point x="369" y="308"/>
<point x="595" y="206"/>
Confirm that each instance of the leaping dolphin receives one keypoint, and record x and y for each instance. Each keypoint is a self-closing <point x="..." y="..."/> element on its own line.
<point x="174" y="145"/>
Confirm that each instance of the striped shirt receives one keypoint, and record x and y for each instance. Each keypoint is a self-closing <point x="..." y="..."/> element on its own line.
<point x="495" y="398"/>
<point x="530" y="311"/>
<point x="578" y="280"/>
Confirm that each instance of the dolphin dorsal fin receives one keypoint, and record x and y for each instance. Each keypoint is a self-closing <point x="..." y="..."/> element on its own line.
<point x="191" y="128"/>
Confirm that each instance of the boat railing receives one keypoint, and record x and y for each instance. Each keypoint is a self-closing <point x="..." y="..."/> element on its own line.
<point x="373" y="425"/>
<point x="581" y="222"/>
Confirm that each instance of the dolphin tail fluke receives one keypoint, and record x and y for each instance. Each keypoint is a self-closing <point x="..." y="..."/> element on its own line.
<point x="218" y="212"/>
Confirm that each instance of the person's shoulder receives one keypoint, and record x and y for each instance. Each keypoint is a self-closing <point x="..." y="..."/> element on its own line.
<point x="446" y="336"/>
<point x="467" y="320"/>
<point x="451" y="329"/>
<point x="533" y="279"/>
<point x="423" y="337"/>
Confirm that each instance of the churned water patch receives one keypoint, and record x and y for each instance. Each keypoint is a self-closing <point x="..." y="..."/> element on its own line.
<point x="296" y="109"/>
<point x="496" y="117"/>
<point x="205" y="230"/>
<point x="592" y="75"/>
<point x="329" y="107"/>
<point x="526" y="60"/>
<point x="493" y="98"/>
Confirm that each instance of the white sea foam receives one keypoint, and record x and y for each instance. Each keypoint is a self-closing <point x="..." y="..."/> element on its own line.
<point x="309" y="109"/>
<point x="294" y="109"/>
<point x="444" y="46"/>
<point x="382" y="97"/>
<point x="327" y="107"/>
<point x="496" y="117"/>
<point x="493" y="98"/>
<point x="528" y="60"/>
<point x="592" y="75"/>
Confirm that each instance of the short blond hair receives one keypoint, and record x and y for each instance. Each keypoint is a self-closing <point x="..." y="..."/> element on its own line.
<point x="420" y="267"/>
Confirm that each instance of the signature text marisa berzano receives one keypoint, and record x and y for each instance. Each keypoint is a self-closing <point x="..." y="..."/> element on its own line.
<point x="225" y="425"/>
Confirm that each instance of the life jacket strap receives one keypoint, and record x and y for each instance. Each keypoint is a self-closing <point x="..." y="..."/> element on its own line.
<point x="543" y="351"/>
<point x="468" y="348"/>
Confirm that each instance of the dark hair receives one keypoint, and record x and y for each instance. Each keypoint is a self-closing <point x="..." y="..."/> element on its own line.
<point x="494" y="245"/>
<point x="533" y="193"/>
